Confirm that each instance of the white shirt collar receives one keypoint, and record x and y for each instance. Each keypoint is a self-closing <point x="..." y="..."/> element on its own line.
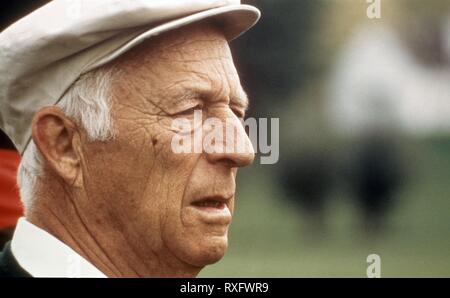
<point x="43" y="255"/>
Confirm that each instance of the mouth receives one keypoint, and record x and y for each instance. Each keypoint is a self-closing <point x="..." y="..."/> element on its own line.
<point x="215" y="203"/>
<point x="213" y="210"/>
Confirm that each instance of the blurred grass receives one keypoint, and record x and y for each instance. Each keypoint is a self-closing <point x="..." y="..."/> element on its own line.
<point x="270" y="237"/>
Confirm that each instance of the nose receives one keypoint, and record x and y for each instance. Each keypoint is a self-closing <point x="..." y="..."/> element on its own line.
<point x="233" y="160"/>
<point x="237" y="148"/>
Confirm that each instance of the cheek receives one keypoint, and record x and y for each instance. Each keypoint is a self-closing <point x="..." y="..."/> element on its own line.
<point x="163" y="177"/>
<point x="136" y="172"/>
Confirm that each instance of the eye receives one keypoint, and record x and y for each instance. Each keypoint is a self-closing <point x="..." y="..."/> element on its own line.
<point x="191" y="111"/>
<point x="240" y="114"/>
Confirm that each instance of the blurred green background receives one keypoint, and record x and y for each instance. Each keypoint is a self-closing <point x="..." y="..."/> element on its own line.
<point x="311" y="214"/>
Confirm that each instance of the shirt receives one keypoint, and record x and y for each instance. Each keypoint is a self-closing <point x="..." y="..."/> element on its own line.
<point x="43" y="255"/>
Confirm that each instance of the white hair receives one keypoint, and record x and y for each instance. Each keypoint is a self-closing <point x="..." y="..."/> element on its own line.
<point x="88" y="103"/>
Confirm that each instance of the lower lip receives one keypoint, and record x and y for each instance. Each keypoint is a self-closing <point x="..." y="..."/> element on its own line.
<point x="212" y="215"/>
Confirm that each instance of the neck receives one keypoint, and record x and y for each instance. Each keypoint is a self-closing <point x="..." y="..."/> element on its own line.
<point x="99" y="243"/>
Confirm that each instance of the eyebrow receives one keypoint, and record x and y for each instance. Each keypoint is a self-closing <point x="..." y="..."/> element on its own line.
<point x="241" y="98"/>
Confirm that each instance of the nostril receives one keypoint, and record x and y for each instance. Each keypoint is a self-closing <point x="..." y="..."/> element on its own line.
<point x="233" y="160"/>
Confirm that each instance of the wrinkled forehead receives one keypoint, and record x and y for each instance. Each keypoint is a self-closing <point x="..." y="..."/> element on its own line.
<point x="191" y="59"/>
<point x="200" y="42"/>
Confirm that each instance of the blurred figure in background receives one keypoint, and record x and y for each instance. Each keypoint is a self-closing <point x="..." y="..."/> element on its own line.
<point x="391" y="79"/>
<point x="10" y="205"/>
<point x="308" y="181"/>
<point x="376" y="176"/>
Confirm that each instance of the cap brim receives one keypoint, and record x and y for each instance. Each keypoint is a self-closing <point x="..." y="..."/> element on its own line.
<point x="233" y="19"/>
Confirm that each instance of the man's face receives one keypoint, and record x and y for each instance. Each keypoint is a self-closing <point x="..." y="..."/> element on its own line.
<point x="156" y="204"/>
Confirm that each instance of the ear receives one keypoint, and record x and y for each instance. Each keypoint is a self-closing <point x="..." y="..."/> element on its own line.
<point x="58" y="140"/>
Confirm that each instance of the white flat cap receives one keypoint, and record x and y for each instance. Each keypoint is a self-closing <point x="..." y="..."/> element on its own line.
<point x="44" y="53"/>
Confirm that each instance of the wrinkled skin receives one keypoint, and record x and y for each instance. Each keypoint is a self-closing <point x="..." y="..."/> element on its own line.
<point x="126" y="202"/>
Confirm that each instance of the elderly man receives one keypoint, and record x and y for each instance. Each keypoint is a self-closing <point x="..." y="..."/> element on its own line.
<point x="88" y="92"/>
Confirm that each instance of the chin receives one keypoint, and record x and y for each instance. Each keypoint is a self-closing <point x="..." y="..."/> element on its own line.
<point x="208" y="251"/>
